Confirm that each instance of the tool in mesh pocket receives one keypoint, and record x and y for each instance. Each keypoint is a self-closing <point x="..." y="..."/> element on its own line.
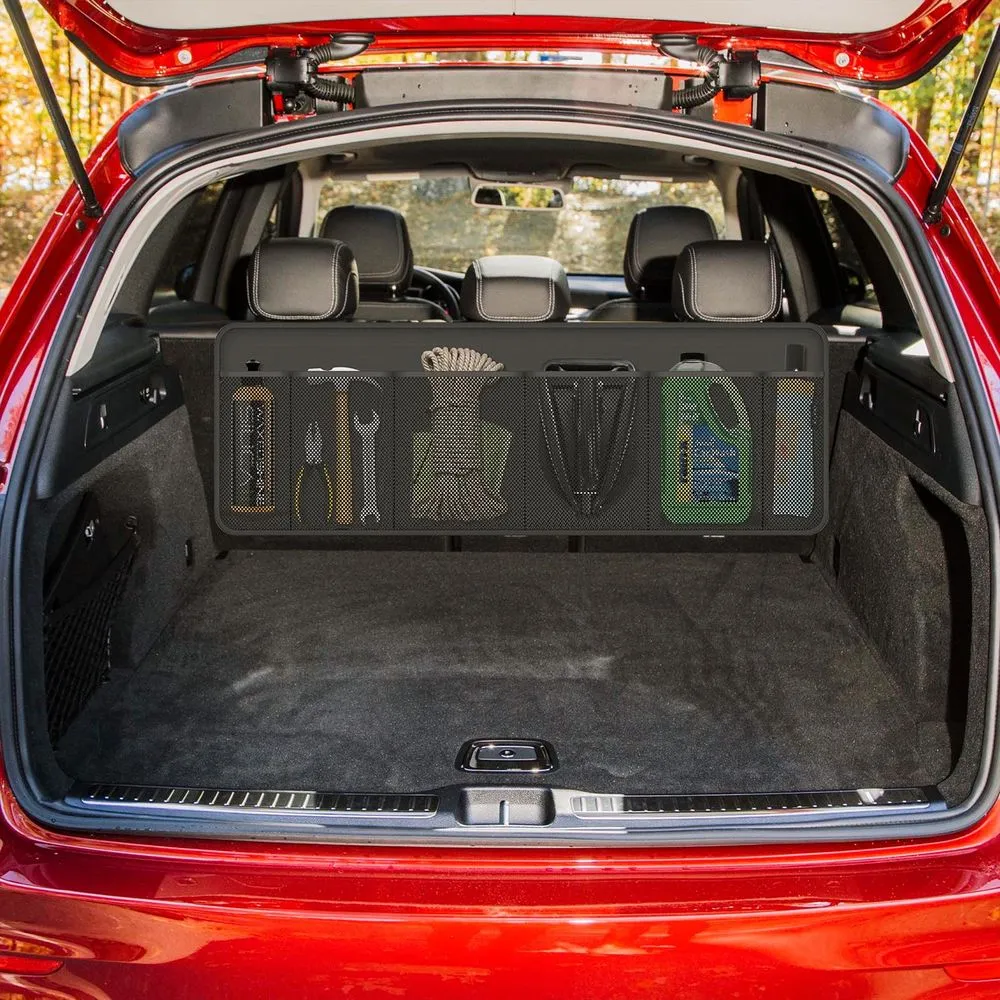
<point x="587" y="426"/>
<point x="458" y="467"/>
<point x="341" y="379"/>
<point x="253" y="449"/>
<point x="313" y="486"/>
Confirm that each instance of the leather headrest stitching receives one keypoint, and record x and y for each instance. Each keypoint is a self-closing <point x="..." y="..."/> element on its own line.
<point x="302" y="279"/>
<point x="515" y="289"/>
<point x="727" y="282"/>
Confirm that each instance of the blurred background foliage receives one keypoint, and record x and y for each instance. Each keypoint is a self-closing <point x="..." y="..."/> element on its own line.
<point x="33" y="173"/>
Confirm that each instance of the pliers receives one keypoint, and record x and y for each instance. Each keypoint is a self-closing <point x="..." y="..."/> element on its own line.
<point x="314" y="470"/>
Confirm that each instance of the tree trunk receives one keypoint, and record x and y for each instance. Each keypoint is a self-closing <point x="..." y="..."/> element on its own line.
<point x="922" y="121"/>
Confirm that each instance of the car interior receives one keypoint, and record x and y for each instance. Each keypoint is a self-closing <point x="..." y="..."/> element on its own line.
<point x="378" y="496"/>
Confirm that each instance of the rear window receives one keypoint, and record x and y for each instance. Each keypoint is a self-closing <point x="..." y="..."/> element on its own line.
<point x="853" y="271"/>
<point x="587" y="235"/>
<point x="189" y="241"/>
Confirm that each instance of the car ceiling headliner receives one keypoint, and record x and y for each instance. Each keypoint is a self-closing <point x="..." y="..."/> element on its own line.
<point x="516" y="158"/>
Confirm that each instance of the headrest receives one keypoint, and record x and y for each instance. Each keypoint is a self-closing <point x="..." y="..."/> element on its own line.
<point x="515" y="288"/>
<point x="380" y="241"/>
<point x="655" y="238"/>
<point x="298" y="278"/>
<point x="727" y="281"/>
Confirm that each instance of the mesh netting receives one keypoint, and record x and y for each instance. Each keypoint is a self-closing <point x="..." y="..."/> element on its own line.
<point x="459" y="445"/>
<point x="566" y="452"/>
<point x="587" y="452"/>
<point x="709" y="434"/>
<point x="794" y="450"/>
<point x="252" y="467"/>
<point x="77" y="640"/>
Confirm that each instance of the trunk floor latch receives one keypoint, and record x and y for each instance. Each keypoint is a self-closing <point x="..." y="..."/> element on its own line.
<point x="505" y="756"/>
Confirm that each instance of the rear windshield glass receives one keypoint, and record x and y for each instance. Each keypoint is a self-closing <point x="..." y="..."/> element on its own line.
<point x="587" y="235"/>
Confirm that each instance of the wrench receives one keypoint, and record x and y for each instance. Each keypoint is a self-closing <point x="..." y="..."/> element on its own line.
<point x="369" y="478"/>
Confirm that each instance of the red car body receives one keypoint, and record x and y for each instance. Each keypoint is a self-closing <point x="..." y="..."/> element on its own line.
<point x="89" y="917"/>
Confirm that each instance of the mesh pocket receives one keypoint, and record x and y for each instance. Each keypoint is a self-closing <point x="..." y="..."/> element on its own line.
<point x="252" y="466"/>
<point x="77" y="643"/>
<point x="460" y="451"/>
<point x="586" y="454"/>
<point x="708" y="428"/>
<point x="341" y="452"/>
<point x="794" y="453"/>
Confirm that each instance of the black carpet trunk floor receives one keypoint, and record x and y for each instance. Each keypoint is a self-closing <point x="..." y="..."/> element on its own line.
<point x="366" y="671"/>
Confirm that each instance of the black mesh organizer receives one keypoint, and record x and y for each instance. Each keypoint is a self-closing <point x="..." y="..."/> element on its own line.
<point x="83" y="592"/>
<point x="705" y="449"/>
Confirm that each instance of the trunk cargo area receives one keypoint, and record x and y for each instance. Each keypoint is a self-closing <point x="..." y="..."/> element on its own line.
<point x="366" y="671"/>
<point x="850" y="658"/>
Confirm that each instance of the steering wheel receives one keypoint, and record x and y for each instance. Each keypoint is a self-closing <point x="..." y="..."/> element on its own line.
<point x="437" y="290"/>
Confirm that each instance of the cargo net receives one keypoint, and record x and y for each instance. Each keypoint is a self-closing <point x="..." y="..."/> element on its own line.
<point x="77" y="644"/>
<point x="796" y="443"/>
<point x="562" y="452"/>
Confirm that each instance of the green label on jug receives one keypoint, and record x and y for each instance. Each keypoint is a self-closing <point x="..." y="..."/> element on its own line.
<point x="707" y="458"/>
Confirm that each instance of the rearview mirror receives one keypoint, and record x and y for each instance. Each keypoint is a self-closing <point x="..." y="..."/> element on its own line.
<point x="518" y="197"/>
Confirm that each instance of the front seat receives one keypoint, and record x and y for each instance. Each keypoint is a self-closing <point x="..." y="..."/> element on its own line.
<point x="655" y="238"/>
<point x="381" y="244"/>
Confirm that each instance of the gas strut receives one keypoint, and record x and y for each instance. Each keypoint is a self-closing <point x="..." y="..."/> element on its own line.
<point x="91" y="206"/>
<point x="935" y="201"/>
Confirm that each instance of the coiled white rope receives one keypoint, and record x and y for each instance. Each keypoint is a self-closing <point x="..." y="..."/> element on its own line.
<point x="458" y="359"/>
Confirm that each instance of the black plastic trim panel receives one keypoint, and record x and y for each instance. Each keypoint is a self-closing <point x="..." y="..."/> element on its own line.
<point x="382" y="87"/>
<point x="185" y="116"/>
<point x="917" y="413"/>
<point x="91" y="426"/>
<point x="836" y="120"/>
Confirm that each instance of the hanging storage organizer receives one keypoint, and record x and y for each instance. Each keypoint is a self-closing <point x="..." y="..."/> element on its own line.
<point x="710" y="430"/>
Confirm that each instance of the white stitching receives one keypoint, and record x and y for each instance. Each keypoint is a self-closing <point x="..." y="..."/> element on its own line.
<point x="693" y="309"/>
<point x="334" y="312"/>
<point x="494" y="318"/>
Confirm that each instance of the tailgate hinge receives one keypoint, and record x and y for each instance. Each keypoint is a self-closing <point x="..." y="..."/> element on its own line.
<point x="294" y="80"/>
<point x="91" y="206"/>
